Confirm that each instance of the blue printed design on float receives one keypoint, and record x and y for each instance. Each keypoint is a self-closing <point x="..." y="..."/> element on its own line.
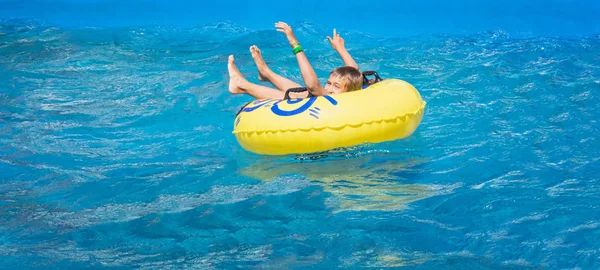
<point x="309" y="102"/>
<point x="333" y="101"/>
<point x="276" y="110"/>
<point x="274" y="104"/>
<point x="294" y="101"/>
<point x="257" y="104"/>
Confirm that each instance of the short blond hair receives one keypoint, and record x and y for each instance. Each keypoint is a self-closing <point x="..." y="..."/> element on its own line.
<point x="350" y="77"/>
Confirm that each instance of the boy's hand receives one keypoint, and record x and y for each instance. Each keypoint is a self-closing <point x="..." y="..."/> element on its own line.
<point x="287" y="30"/>
<point x="337" y="42"/>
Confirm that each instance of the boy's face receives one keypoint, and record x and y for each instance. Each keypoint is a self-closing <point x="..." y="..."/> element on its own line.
<point x="334" y="85"/>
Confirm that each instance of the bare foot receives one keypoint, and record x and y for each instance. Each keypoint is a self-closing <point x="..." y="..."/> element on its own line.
<point x="235" y="77"/>
<point x="260" y="63"/>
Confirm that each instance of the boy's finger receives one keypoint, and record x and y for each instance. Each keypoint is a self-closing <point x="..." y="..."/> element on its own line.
<point x="334" y="32"/>
<point x="329" y="38"/>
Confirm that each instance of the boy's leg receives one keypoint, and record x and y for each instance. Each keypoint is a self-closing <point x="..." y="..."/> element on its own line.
<point x="239" y="85"/>
<point x="266" y="74"/>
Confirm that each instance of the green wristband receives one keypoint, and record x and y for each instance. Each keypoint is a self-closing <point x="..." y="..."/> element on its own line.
<point x="297" y="49"/>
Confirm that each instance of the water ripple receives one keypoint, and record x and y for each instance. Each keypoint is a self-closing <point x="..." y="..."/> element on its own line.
<point x="116" y="151"/>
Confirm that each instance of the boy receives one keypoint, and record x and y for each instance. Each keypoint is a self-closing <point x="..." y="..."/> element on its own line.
<point x="343" y="79"/>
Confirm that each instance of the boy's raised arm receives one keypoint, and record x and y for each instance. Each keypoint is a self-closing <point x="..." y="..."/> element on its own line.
<point x="337" y="43"/>
<point x="311" y="80"/>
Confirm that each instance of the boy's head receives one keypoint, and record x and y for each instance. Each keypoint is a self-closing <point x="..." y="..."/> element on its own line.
<point x="344" y="79"/>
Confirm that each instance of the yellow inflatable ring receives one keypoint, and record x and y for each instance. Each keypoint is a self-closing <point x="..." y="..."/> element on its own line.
<point x="385" y="111"/>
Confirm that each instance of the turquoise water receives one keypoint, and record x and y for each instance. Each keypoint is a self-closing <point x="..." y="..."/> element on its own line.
<point x="381" y="17"/>
<point x="116" y="151"/>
